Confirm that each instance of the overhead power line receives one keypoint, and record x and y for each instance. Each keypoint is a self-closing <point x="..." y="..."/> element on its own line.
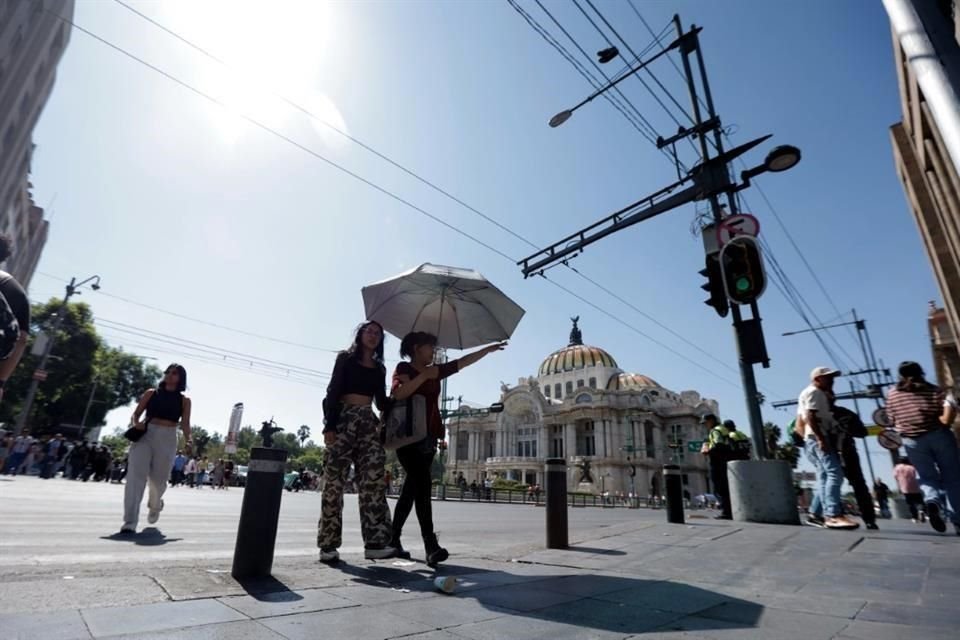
<point x="352" y="174"/>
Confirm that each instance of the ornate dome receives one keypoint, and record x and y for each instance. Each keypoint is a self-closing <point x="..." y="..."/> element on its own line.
<point x="576" y="355"/>
<point x="629" y="381"/>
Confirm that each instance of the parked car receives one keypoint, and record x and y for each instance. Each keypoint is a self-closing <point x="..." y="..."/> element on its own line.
<point x="240" y="475"/>
<point x="706" y="501"/>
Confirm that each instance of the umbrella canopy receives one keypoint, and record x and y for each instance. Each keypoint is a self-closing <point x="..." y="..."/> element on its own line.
<point x="459" y="306"/>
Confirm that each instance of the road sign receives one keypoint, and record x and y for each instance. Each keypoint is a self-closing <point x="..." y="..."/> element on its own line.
<point x="890" y="439"/>
<point x="693" y="446"/>
<point x="40" y="375"/>
<point x="880" y="417"/>
<point x="742" y="224"/>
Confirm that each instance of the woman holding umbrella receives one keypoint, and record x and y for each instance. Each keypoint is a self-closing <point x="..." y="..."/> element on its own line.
<point x="351" y="433"/>
<point x="422" y="377"/>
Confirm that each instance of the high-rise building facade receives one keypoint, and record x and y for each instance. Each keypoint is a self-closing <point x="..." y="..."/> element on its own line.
<point x="32" y="41"/>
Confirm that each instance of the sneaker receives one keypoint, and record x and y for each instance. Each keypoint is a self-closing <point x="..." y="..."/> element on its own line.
<point x="329" y="556"/>
<point x="872" y="526"/>
<point x="935" y="517"/>
<point x="124" y="530"/>
<point x="840" y="522"/>
<point x="815" y="521"/>
<point x="723" y="516"/>
<point x="379" y="553"/>
<point x="153" y="516"/>
<point x="956" y="526"/>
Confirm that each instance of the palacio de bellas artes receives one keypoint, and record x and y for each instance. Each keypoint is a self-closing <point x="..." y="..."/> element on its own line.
<point x="615" y="429"/>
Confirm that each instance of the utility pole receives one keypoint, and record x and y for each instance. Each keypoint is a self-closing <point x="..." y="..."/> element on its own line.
<point x="72" y="289"/>
<point x="734" y="268"/>
<point x="874" y="371"/>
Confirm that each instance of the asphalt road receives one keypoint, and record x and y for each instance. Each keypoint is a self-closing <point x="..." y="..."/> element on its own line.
<point x="59" y="526"/>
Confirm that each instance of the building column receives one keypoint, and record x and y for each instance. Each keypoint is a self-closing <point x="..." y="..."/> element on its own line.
<point x="570" y="441"/>
<point x="471" y="443"/>
<point x="543" y="442"/>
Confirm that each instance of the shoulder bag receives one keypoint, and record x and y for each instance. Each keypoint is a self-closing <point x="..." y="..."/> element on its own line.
<point x="405" y="422"/>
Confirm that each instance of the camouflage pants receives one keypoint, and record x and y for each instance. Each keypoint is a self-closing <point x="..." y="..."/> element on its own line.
<point x="358" y="442"/>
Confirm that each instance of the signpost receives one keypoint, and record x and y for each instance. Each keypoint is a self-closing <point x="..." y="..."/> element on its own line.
<point x="742" y="224"/>
<point x="890" y="439"/>
<point x="693" y="446"/>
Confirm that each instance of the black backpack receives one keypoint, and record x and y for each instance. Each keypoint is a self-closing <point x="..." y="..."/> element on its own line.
<point x="849" y="422"/>
<point x="9" y="329"/>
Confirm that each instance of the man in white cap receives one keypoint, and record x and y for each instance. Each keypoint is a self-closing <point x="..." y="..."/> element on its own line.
<point x="820" y="440"/>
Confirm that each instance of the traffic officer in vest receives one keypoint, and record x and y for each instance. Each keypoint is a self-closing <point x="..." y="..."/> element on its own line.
<point x="724" y="443"/>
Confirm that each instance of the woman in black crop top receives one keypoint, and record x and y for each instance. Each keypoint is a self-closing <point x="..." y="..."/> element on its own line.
<point x="351" y="433"/>
<point x="151" y="457"/>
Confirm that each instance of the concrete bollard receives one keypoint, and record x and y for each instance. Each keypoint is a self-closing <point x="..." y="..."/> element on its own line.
<point x="674" y="486"/>
<point x="762" y="491"/>
<point x="556" y="471"/>
<point x="257" y="532"/>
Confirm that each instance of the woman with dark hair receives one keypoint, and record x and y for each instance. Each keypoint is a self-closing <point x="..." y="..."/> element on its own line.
<point x="351" y="433"/>
<point x="421" y="376"/>
<point x="151" y="457"/>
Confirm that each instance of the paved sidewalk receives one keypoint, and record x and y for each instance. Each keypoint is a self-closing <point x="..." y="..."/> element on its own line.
<point x="706" y="579"/>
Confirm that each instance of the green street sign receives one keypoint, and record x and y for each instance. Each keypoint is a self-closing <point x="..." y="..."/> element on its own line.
<point x="693" y="446"/>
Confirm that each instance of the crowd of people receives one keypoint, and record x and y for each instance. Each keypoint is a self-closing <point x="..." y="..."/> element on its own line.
<point x="51" y="455"/>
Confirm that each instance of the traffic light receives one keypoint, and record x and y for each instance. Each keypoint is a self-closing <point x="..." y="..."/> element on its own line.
<point x="714" y="285"/>
<point x="744" y="278"/>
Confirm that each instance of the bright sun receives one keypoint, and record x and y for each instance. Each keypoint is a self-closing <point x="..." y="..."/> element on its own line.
<point x="271" y="48"/>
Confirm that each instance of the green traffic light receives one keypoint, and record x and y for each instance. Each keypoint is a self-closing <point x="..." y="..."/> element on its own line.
<point x="743" y="284"/>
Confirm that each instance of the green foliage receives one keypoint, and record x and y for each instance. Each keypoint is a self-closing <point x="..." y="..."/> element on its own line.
<point x="778" y="450"/>
<point x="303" y="434"/>
<point x="116" y="443"/>
<point x="504" y="484"/>
<point x="79" y="359"/>
<point x="312" y="459"/>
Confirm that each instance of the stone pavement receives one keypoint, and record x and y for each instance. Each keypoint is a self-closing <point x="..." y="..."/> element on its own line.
<point x="641" y="577"/>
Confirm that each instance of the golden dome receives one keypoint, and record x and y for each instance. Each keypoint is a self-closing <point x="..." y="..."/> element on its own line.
<point x="630" y="381"/>
<point x="576" y="355"/>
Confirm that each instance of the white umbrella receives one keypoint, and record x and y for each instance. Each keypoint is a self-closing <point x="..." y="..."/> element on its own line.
<point x="459" y="306"/>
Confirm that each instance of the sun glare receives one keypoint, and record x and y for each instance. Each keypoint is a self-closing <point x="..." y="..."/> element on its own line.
<point x="271" y="49"/>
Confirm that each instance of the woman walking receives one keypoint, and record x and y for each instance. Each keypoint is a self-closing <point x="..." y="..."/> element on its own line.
<point x="351" y="433"/>
<point x="151" y="457"/>
<point x="422" y="377"/>
<point x="217" y="478"/>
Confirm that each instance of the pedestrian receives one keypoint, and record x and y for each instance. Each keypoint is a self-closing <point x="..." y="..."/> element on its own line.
<point x="54" y="452"/>
<point x="19" y="448"/>
<point x="419" y="375"/>
<point x="821" y="444"/>
<point x="14" y="306"/>
<point x="724" y="444"/>
<point x="203" y="469"/>
<point x="922" y="417"/>
<point x="151" y="457"/>
<point x="882" y="493"/>
<point x="851" y="427"/>
<point x="216" y="479"/>
<point x="227" y="474"/>
<point x="351" y="433"/>
<point x="190" y="471"/>
<point x="176" y="474"/>
<point x="6" y="444"/>
<point x="906" y="476"/>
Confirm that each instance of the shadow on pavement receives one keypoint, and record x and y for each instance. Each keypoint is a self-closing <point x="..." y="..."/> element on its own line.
<point x="599" y="602"/>
<point x="149" y="537"/>
<point x="268" y="589"/>
<point x="606" y="552"/>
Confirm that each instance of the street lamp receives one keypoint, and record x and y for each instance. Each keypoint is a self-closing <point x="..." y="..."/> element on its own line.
<point x="781" y="158"/>
<point x="72" y="289"/>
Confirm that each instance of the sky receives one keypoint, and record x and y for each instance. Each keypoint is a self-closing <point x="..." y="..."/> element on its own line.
<point x="207" y="228"/>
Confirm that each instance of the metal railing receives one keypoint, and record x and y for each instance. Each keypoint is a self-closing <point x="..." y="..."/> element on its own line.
<point x="452" y="493"/>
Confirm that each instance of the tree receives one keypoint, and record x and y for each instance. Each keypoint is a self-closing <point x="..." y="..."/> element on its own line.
<point x="303" y="433"/>
<point x="247" y="437"/>
<point x="116" y="443"/>
<point x="80" y="359"/>
<point x="778" y="450"/>
<point x="201" y="440"/>
<point x="312" y="460"/>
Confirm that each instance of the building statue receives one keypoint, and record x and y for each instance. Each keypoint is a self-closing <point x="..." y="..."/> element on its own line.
<point x="576" y="337"/>
<point x="585" y="475"/>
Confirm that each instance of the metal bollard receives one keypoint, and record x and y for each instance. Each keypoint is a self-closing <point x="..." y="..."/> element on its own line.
<point x="556" y="469"/>
<point x="674" y="484"/>
<point x="257" y="532"/>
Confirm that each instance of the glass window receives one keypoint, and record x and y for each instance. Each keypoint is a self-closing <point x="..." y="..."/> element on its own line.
<point x="569" y="388"/>
<point x="546" y="391"/>
<point x="556" y="391"/>
<point x="580" y="383"/>
<point x="648" y="439"/>
<point x="593" y="383"/>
